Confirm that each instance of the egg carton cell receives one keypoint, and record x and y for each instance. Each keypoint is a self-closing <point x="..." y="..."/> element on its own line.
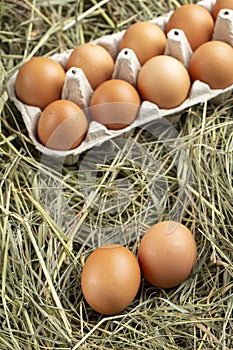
<point x="127" y="67"/>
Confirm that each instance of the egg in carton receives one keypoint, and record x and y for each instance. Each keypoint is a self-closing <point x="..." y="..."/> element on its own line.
<point x="77" y="88"/>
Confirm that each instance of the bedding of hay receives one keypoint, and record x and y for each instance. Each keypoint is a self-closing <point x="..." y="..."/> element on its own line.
<point x="43" y="245"/>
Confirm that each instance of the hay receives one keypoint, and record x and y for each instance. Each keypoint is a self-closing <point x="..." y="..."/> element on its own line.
<point x="43" y="245"/>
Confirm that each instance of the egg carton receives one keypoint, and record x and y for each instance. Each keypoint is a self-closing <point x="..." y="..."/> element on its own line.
<point x="77" y="88"/>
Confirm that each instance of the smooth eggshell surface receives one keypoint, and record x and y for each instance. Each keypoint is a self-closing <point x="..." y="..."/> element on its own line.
<point x="39" y="82"/>
<point x="110" y="279"/>
<point x="167" y="254"/>
<point x="145" y="39"/>
<point x="196" y="22"/>
<point x="212" y="63"/>
<point x="62" y="125"/>
<point x="115" y="104"/>
<point x="94" y="60"/>
<point x="221" y="4"/>
<point x="165" y="81"/>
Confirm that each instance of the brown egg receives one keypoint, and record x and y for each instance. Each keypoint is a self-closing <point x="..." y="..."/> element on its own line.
<point x="115" y="104"/>
<point x="94" y="60"/>
<point x="167" y="254"/>
<point x="39" y="82"/>
<point x="62" y="125"/>
<point x="165" y="81"/>
<point x="110" y="279"/>
<point x="146" y="39"/>
<point x="212" y="64"/>
<point x="221" y="4"/>
<point x="196" y="22"/>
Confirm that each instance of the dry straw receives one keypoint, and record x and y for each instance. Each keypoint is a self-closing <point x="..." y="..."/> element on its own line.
<point x="41" y="305"/>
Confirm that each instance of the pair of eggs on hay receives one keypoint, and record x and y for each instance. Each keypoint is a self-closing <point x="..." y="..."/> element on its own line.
<point x="162" y="79"/>
<point x="111" y="275"/>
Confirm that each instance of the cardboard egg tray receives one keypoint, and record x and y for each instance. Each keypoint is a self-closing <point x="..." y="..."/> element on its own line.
<point x="78" y="89"/>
